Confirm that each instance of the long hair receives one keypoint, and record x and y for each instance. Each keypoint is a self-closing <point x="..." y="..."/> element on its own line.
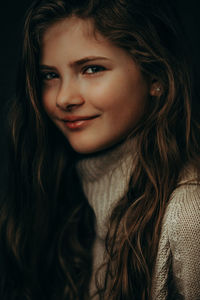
<point x="46" y="225"/>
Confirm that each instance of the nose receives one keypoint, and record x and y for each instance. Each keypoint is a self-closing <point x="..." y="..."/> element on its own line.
<point x="69" y="96"/>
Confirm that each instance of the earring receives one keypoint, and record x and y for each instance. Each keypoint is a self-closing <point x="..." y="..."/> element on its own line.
<point x="157" y="89"/>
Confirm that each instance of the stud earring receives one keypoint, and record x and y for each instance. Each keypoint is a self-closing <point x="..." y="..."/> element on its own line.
<point x="157" y="89"/>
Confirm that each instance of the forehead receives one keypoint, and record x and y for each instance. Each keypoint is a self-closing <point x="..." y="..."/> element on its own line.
<point x="72" y="27"/>
<point x="74" y="38"/>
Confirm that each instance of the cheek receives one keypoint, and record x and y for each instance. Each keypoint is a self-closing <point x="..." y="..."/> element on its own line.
<point x="48" y="101"/>
<point x="105" y="96"/>
<point x="119" y="99"/>
<point x="123" y="108"/>
<point x="118" y="91"/>
<point x="128" y="99"/>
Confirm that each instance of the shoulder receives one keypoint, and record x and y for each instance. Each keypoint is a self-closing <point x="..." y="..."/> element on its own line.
<point x="179" y="246"/>
<point x="182" y="216"/>
<point x="181" y="222"/>
<point x="183" y="211"/>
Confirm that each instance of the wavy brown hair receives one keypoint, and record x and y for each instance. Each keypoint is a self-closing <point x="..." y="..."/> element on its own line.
<point x="46" y="224"/>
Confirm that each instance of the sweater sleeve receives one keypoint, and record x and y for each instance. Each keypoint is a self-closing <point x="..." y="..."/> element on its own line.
<point x="184" y="239"/>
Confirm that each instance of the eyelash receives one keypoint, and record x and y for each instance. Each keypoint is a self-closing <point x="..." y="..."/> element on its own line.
<point x="53" y="75"/>
<point x="44" y="75"/>
<point x="99" y="69"/>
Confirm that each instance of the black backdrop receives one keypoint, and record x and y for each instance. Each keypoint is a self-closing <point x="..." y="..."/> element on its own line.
<point x="11" y="19"/>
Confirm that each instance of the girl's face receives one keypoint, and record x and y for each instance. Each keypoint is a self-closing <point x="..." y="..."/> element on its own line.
<point x="92" y="90"/>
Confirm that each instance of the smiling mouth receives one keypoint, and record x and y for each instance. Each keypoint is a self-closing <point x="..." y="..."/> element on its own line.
<point x="75" y="119"/>
<point x="78" y="123"/>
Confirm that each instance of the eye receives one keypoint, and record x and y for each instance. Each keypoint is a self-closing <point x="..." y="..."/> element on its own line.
<point x="48" y="75"/>
<point x="93" y="69"/>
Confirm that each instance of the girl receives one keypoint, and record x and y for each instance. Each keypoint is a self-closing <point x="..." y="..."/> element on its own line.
<point x="104" y="195"/>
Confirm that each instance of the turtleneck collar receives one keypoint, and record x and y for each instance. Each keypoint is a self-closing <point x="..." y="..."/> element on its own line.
<point x="93" y="167"/>
<point x="105" y="179"/>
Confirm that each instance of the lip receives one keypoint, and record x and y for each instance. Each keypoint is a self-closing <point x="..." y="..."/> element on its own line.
<point x="78" y="118"/>
<point x="78" y="122"/>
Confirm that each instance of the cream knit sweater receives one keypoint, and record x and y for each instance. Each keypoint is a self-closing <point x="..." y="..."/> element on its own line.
<point x="105" y="178"/>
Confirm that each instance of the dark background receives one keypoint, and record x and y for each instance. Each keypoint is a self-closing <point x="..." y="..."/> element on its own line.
<point x="11" y="20"/>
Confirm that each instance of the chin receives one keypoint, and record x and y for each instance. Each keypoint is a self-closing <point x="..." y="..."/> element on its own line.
<point x="86" y="150"/>
<point x="90" y="148"/>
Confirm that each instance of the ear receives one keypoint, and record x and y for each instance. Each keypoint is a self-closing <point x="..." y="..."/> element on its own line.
<point x="155" y="88"/>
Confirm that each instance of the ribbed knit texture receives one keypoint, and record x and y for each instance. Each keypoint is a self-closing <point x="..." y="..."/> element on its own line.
<point x="105" y="178"/>
<point x="177" y="269"/>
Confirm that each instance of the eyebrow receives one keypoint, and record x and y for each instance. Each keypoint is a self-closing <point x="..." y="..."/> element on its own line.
<point x="88" y="59"/>
<point x="78" y="62"/>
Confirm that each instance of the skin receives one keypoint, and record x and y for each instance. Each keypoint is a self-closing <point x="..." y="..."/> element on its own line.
<point x="112" y="88"/>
